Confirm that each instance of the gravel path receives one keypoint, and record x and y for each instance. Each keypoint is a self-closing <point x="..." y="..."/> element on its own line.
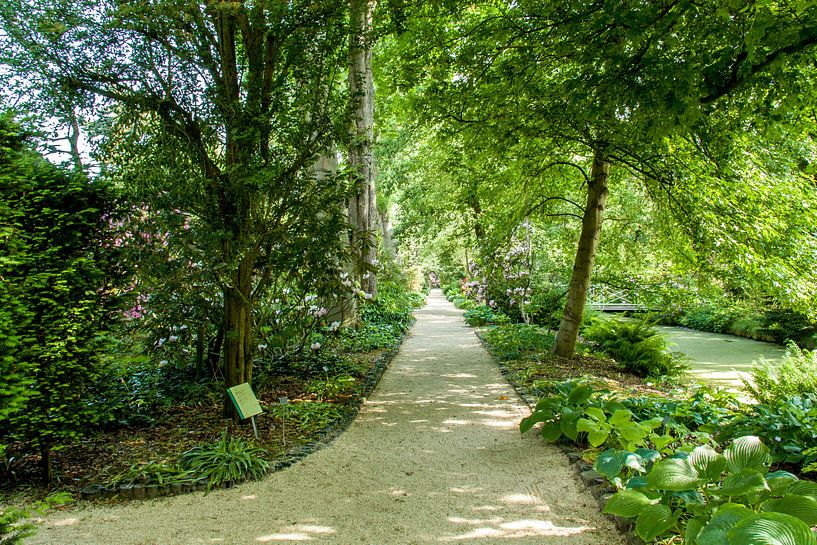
<point x="435" y="456"/>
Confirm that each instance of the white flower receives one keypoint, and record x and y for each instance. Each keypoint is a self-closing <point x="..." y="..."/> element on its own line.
<point x="315" y="346"/>
<point x="262" y="346"/>
<point x="173" y="338"/>
<point x="334" y="326"/>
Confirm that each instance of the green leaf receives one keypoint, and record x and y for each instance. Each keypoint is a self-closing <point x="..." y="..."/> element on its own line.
<point x="653" y="521"/>
<point x="568" y="423"/>
<point x="596" y="414"/>
<point x="551" y="431"/>
<point x="661" y="441"/>
<point x="674" y="475"/>
<point x="609" y="463"/>
<point x="779" y="481"/>
<point x="693" y="529"/>
<point x="580" y="394"/>
<point x="648" y="455"/>
<point x="597" y="432"/>
<point x="529" y="422"/>
<point x="771" y="529"/>
<point x="747" y="452"/>
<point x="621" y="417"/>
<point x="708" y="463"/>
<point x="803" y="488"/>
<point x="744" y="482"/>
<point x="802" y="507"/>
<point x="627" y="503"/>
<point x="725" y="517"/>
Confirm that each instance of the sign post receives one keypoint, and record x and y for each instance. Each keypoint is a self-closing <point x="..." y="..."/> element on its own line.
<point x="245" y="403"/>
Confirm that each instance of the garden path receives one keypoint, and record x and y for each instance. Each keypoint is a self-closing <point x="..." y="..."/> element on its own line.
<point x="434" y="457"/>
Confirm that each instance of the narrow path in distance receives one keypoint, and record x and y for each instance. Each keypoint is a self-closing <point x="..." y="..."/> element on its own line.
<point x="435" y="456"/>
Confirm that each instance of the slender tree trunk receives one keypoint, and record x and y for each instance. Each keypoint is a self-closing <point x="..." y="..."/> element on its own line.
<point x="342" y="309"/>
<point x="363" y="204"/>
<point x="47" y="464"/>
<point x="565" y="344"/>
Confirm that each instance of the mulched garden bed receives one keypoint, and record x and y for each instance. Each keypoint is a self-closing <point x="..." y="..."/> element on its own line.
<point x="98" y="458"/>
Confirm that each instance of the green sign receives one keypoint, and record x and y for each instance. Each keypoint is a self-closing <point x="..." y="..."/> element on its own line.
<point x="244" y="400"/>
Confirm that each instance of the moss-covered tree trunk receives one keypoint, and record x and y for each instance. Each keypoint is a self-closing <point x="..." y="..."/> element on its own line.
<point x="565" y="344"/>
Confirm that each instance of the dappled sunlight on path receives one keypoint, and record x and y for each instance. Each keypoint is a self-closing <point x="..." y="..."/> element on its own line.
<point x="435" y="456"/>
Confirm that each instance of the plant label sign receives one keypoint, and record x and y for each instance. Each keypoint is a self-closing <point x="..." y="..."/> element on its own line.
<point x="244" y="400"/>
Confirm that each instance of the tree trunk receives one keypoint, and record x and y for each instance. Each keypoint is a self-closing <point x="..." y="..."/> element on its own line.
<point x="46" y="464"/>
<point x="238" y="336"/>
<point x="363" y="204"/>
<point x="565" y="344"/>
<point x="342" y="309"/>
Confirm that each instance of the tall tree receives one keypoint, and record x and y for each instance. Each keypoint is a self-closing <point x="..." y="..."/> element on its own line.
<point x="602" y="81"/>
<point x="220" y="109"/>
<point x="363" y="214"/>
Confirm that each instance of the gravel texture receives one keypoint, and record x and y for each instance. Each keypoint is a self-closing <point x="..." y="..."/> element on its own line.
<point x="435" y="456"/>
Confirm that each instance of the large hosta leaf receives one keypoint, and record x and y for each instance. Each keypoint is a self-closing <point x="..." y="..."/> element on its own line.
<point x="580" y="394"/>
<point x="568" y="422"/>
<point x="628" y="503"/>
<point x="530" y="421"/>
<point x="610" y="463"/>
<point x="708" y="463"/>
<point x="802" y="507"/>
<point x="673" y="474"/>
<point x="771" y="529"/>
<point x="551" y="431"/>
<point x="779" y="481"/>
<point x="653" y="521"/>
<point x="745" y="481"/>
<point x="693" y="529"/>
<point x="803" y="488"/>
<point x="726" y="517"/>
<point x="597" y="432"/>
<point x="620" y="417"/>
<point x="747" y="452"/>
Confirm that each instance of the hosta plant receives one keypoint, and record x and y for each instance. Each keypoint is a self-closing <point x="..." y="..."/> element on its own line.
<point x="711" y="498"/>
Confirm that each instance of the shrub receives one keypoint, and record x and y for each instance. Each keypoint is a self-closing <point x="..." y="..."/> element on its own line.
<point x="484" y="315"/>
<point x="637" y="346"/>
<point x="794" y="375"/>
<point x="227" y="460"/>
<point x="58" y="268"/>
<point x="512" y="341"/>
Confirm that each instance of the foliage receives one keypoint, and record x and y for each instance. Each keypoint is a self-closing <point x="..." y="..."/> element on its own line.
<point x="13" y="527"/>
<point x="58" y="277"/>
<point x="160" y="473"/>
<point x="331" y="387"/>
<point x="788" y="426"/>
<point x="793" y="376"/>
<point x="308" y="416"/>
<point x="730" y="498"/>
<point x="697" y="407"/>
<point x="385" y="319"/>
<point x="230" y="459"/>
<point x="484" y="315"/>
<point x="513" y="341"/>
<point x="637" y="346"/>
